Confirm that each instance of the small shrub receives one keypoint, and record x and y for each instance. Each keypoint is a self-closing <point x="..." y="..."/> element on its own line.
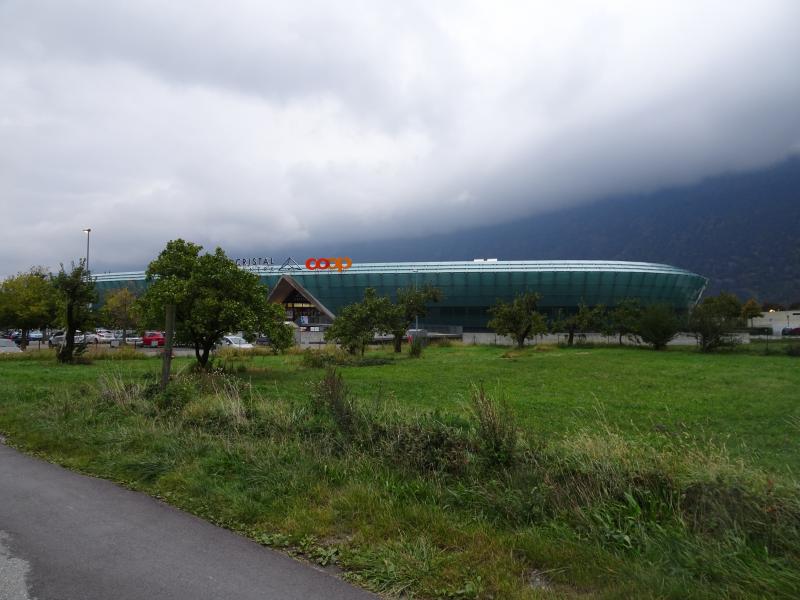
<point x="497" y="430"/>
<point x="658" y="324"/>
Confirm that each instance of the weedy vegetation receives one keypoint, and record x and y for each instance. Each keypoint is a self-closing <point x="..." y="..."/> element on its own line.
<point x="471" y="473"/>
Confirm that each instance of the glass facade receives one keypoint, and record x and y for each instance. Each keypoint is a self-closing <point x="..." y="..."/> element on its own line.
<point x="470" y="288"/>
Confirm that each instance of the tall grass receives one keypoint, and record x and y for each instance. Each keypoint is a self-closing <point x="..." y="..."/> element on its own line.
<point x="437" y="504"/>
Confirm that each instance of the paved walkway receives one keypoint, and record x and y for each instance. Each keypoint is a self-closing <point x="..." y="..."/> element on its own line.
<point x="66" y="536"/>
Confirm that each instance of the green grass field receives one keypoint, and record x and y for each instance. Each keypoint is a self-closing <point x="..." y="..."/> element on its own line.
<point x="634" y="473"/>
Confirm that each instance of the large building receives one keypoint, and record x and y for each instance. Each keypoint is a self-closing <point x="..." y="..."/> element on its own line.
<point x="314" y="296"/>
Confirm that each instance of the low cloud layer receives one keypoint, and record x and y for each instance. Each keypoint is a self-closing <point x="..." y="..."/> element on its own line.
<point x="258" y="127"/>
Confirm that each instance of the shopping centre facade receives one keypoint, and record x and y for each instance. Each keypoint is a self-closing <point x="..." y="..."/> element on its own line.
<point x="315" y="291"/>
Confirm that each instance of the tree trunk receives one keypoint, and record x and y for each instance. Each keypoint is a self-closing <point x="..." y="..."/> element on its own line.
<point x="620" y="338"/>
<point x="23" y="339"/>
<point x="571" y="337"/>
<point x="398" y="342"/>
<point x="197" y="352"/>
<point x="206" y="351"/>
<point x="65" y="353"/>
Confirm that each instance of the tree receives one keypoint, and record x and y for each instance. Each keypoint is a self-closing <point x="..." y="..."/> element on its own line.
<point x="623" y="319"/>
<point x="518" y="319"/>
<point x="657" y="325"/>
<point x="212" y="296"/>
<point x="411" y="303"/>
<point x="750" y="310"/>
<point x="357" y="324"/>
<point x="28" y="301"/>
<point x="119" y="310"/>
<point x="281" y="336"/>
<point x="76" y="294"/>
<point x="584" y="320"/>
<point x="715" y="320"/>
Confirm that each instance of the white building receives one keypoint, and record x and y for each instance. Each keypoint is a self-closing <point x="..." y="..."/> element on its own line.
<point x="778" y="319"/>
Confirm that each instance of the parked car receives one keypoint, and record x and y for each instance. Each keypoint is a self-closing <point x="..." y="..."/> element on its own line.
<point x="7" y="346"/>
<point x="35" y="335"/>
<point x="235" y="341"/>
<point x="790" y="331"/>
<point x="131" y="339"/>
<point x="153" y="339"/>
<point x="58" y="338"/>
<point x="103" y="336"/>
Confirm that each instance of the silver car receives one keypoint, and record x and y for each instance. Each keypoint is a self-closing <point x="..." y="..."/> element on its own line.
<point x="59" y="338"/>
<point x="131" y="339"/>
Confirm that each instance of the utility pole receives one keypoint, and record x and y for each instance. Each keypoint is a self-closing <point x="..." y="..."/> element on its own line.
<point x="88" y="232"/>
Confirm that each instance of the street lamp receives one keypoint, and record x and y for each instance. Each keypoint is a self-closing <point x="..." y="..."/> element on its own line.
<point x="88" y="232"/>
<point x="416" y="317"/>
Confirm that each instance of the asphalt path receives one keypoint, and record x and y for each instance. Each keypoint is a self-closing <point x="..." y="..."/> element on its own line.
<point x="66" y="536"/>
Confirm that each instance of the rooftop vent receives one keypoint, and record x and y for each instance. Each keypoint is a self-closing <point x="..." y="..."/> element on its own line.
<point x="484" y="260"/>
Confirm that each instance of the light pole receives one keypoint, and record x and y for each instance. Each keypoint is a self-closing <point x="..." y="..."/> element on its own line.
<point x="88" y="232"/>
<point x="416" y="317"/>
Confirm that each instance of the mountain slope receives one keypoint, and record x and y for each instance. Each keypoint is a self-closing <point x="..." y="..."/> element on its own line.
<point x="742" y="231"/>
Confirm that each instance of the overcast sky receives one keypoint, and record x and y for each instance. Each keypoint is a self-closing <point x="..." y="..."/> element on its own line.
<point x="256" y="125"/>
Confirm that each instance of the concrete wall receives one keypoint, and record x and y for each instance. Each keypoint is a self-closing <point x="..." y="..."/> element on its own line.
<point x="593" y="338"/>
<point x="778" y="320"/>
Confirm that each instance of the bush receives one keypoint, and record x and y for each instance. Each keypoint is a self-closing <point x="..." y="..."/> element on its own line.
<point x="658" y="324"/>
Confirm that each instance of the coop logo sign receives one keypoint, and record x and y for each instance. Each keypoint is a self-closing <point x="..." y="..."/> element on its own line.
<point x="333" y="264"/>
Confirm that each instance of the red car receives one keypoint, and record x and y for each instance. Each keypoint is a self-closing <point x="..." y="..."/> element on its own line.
<point x="152" y="339"/>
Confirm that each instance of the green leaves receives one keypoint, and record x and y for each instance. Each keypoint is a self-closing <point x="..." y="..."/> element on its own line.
<point x="211" y="294"/>
<point x="518" y="319"/>
<point x="358" y="323"/>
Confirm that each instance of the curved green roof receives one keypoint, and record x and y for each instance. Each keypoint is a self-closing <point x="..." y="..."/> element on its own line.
<point x="471" y="287"/>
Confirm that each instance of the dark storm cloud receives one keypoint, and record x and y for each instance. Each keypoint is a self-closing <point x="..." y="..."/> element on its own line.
<point x="257" y="126"/>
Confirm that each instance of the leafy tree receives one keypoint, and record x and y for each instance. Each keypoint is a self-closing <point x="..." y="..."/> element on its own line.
<point x="357" y="324"/>
<point x="623" y="319"/>
<point x="212" y="296"/>
<point x="411" y="303"/>
<point x="76" y="293"/>
<point x="281" y="336"/>
<point x="119" y="310"/>
<point x="582" y="321"/>
<point x="750" y="310"/>
<point x="657" y="325"/>
<point x="518" y="319"/>
<point x="28" y="301"/>
<point x="715" y="320"/>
